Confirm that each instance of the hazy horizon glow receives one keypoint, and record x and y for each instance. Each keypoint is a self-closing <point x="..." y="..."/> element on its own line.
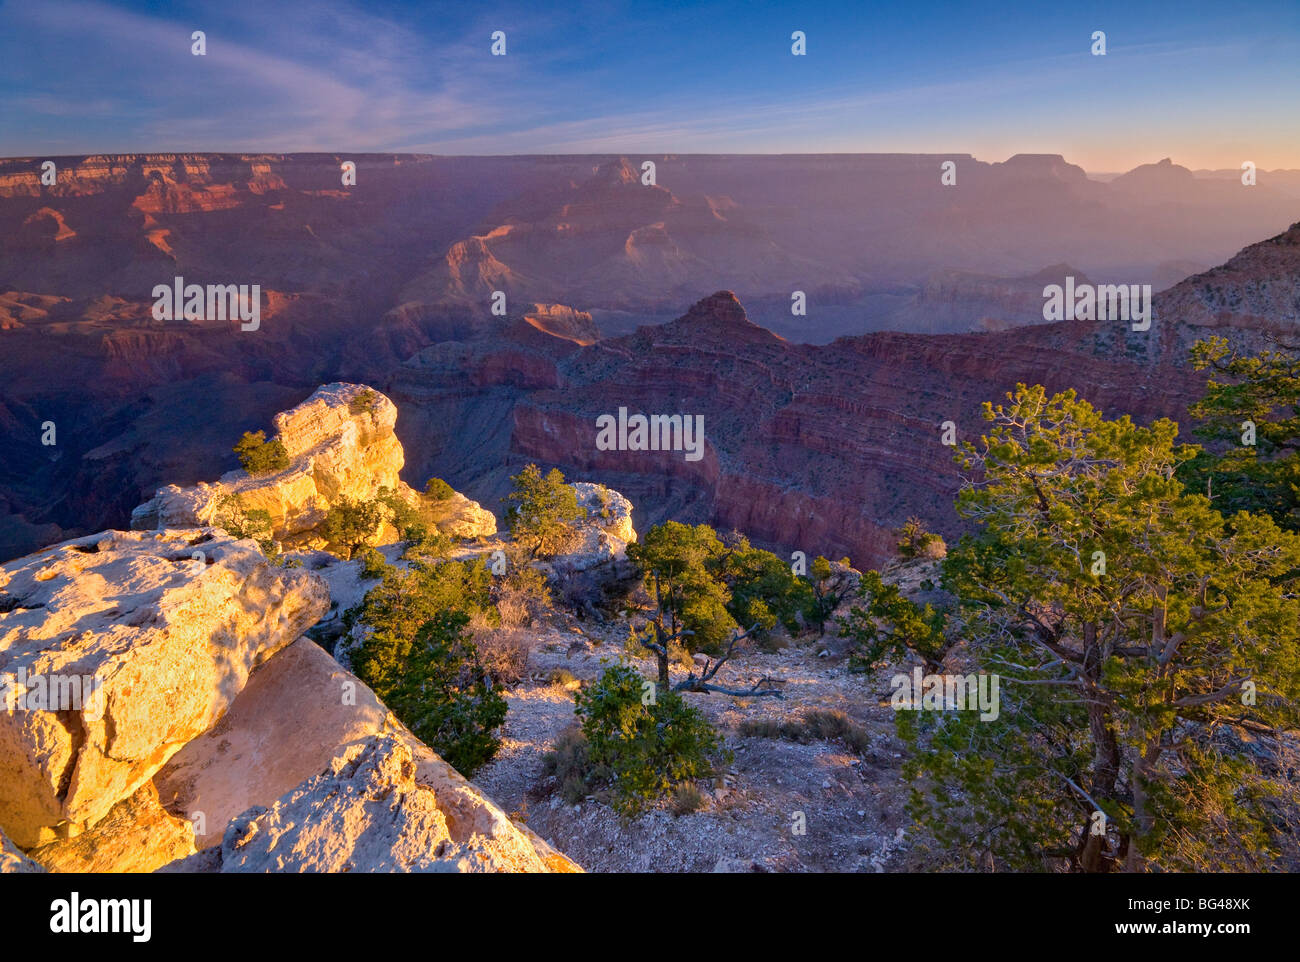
<point x="1205" y="86"/>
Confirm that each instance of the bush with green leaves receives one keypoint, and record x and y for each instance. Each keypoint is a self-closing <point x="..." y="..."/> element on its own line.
<point x="889" y="625"/>
<point x="438" y="490"/>
<point x="260" y="456"/>
<point x="433" y="681"/>
<point x="239" y="522"/>
<point x="405" y="599"/>
<point x="363" y="402"/>
<point x="419" y="658"/>
<point x="373" y="564"/>
<point x="764" y="589"/>
<point x="915" y="542"/>
<point x="648" y="746"/>
<point x="542" y="510"/>
<point x="352" y="523"/>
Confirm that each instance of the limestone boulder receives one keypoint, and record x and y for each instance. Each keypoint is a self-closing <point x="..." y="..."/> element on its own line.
<point x="299" y="715"/>
<point x="117" y="649"/>
<point x="602" y="534"/>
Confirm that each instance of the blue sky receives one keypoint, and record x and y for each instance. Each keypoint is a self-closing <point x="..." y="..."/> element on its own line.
<point x="1209" y="84"/>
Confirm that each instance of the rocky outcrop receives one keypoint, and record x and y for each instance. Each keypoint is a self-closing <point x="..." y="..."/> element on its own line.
<point x="141" y="641"/>
<point x="341" y="444"/>
<point x="137" y="835"/>
<point x="601" y="537"/>
<point x="302" y="715"/>
<point x="370" y="811"/>
<point x="13" y="861"/>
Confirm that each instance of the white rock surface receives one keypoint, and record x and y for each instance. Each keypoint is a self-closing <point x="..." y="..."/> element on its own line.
<point x="13" y="861"/>
<point x="163" y="642"/>
<point x="371" y="811"/>
<point x="603" y="535"/>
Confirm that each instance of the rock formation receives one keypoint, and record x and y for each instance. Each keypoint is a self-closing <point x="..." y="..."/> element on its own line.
<point x="13" y="861"/>
<point x="148" y="638"/>
<point x="298" y="716"/>
<point x="162" y="692"/>
<point x="341" y="444"/>
<point x="375" y="810"/>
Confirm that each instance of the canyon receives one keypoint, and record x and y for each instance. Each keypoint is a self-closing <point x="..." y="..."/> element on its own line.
<point x="822" y="447"/>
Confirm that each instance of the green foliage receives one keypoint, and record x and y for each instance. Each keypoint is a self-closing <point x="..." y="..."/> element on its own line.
<point x="915" y="542"/>
<point x="373" y="564"/>
<point x="438" y="490"/>
<point x="419" y="659"/>
<point x="763" y="588"/>
<point x="434" y="683"/>
<point x="352" y="523"/>
<point x="240" y="523"/>
<point x="1128" y="621"/>
<point x="542" y="509"/>
<point x="363" y="402"/>
<point x="647" y="750"/>
<point x="890" y="625"/>
<point x="260" y="456"/>
<point x="404" y="600"/>
<point x="678" y="565"/>
<point x="826" y="593"/>
<point x="1265" y="390"/>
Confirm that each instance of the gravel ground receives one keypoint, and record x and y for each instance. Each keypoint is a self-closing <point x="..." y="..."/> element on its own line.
<point x="851" y="806"/>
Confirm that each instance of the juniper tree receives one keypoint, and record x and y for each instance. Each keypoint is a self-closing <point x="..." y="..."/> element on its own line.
<point x="352" y="523"/>
<point x="542" y="509"/>
<point x="679" y="566"/>
<point x="1134" y="627"/>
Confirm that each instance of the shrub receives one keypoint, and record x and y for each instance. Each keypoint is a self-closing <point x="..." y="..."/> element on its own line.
<point x="647" y="750"/>
<point x="521" y="595"/>
<point x="687" y="799"/>
<point x="915" y="542"/>
<point x="561" y="677"/>
<point x="570" y="763"/>
<point x="438" y="490"/>
<point x="410" y="525"/>
<point x="372" y="564"/>
<point x="240" y="523"/>
<point x="817" y="724"/>
<point x="353" y="523"/>
<point x="404" y="600"/>
<point x="260" y="456"/>
<point x="503" y="651"/>
<point x="363" y="402"/>
<point x="436" y="684"/>
<point x="542" y="509"/>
